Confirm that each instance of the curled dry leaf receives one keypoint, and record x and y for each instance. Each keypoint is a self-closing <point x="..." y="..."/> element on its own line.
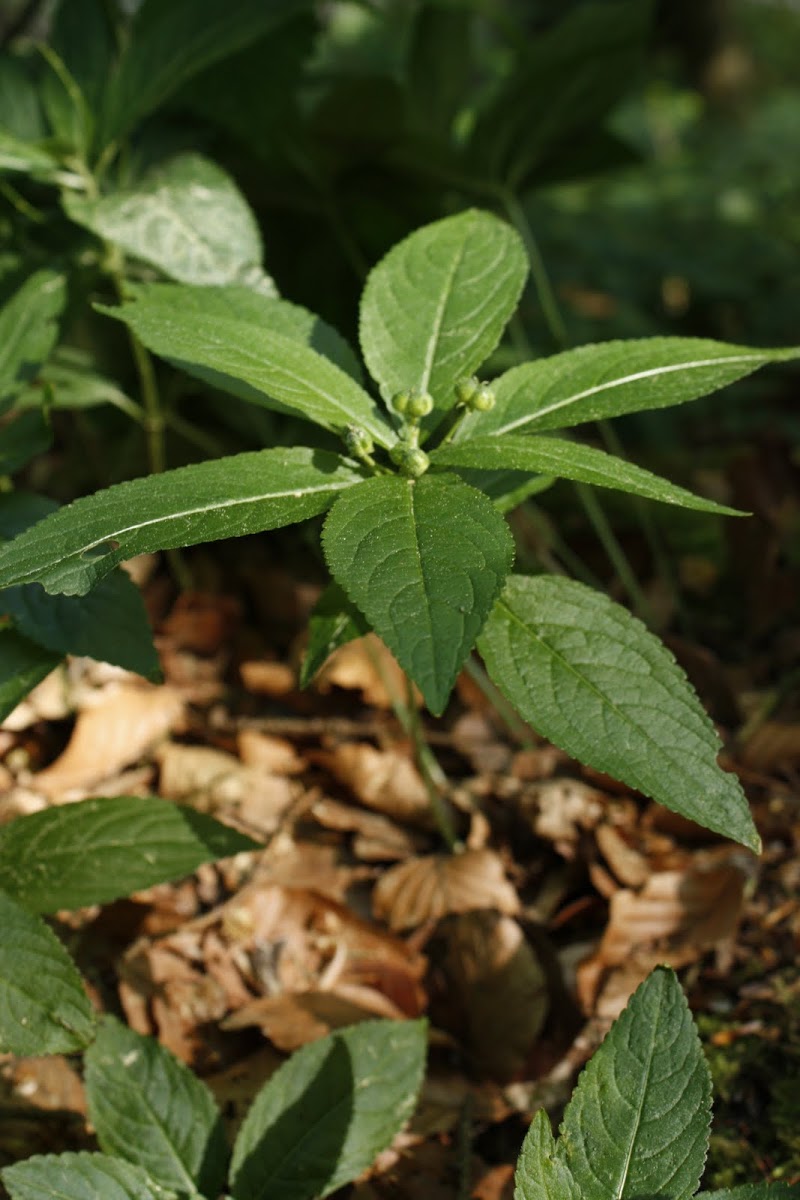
<point x="675" y="917"/>
<point x="426" y="889"/>
<point x="559" y="809"/>
<point x="49" y="701"/>
<point x="291" y="1020"/>
<point x="110" y="736"/>
<point x="367" y="666"/>
<point x="627" y="863"/>
<point x="216" y="782"/>
<point x="496" y="997"/>
<point x="274" y="754"/>
<point x="377" y="838"/>
<point x="384" y="780"/>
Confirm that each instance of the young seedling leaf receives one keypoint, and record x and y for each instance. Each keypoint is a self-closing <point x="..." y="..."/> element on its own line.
<point x="28" y="330"/>
<point x="610" y="378"/>
<point x="541" y="1174"/>
<point x="168" y="43"/>
<point x="637" y="1123"/>
<point x="151" y="1110"/>
<point x="435" y="307"/>
<point x="43" y="1006"/>
<point x="260" y="362"/>
<point x="79" y="1176"/>
<point x="334" y="622"/>
<point x="97" y="850"/>
<point x="424" y="560"/>
<point x="569" y="460"/>
<point x="233" y="302"/>
<point x="23" y="664"/>
<point x="592" y="679"/>
<point x="325" y="1114"/>
<point x="78" y="545"/>
<point x="187" y="218"/>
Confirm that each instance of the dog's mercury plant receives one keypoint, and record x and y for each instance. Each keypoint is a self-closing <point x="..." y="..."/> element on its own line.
<point x="414" y="536"/>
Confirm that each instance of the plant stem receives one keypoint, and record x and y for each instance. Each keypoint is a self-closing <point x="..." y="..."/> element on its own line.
<point x="615" y="553"/>
<point x="506" y="711"/>
<point x="432" y="774"/>
<point x="541" y="280"/>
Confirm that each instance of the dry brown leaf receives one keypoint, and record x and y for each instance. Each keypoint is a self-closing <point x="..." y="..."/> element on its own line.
<point x="293" y="1019"/>
<point x="201" y="622"/>
<point x="384" y="780"/>
<point x="676" y="916"/>
<point x="377" y="838"/>
<point x="49" y="701"/>
<point x="475" y="737"/>
<point x="426" y="889"/>
<point x="214" y="781"/>
<point x="629" y="866"/>
<point x="50" y="1083"/>
<point x="267" y="678"/>
<point x="496" y="995"/>
<point x="559" y="809"/>
<point x="365" y="665"/>
<point x="274" y="754"/>
<point x="109" y="736"/>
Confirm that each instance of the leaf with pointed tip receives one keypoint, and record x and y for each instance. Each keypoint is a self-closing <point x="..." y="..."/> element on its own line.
<point x="95" y="851"/>
<point x="169" y="43"/>
<point x="592" y="679"/>
<point x="79" y="1176"/>
<point x="334" y="622"/>
<point x="541" y="1173"/>
<point x="228" y="497"/>
<point x="43" y="1006"/>
<point x="637" y="1123"/>
<point x="28" y="330"/>
<point x="149" y="1109"/>
<point x="328" y="1111"/>
<point x="424" y="560"/>
<point x="610" y="378"/>
<point x="264" y="363"/>
<point x="569" y="460"/>
<point x="187" y="218"/>
<point x="435" y="307"/>
<point x="23" y="664"/>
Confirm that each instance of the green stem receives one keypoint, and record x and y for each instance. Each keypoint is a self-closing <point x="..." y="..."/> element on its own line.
<point x="506" y="711"/>
<point x="432" y="774"/>
<point x="615" y="552"/>
<point x="541" y="280"/>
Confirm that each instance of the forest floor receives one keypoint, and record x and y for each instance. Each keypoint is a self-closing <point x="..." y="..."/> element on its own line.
<point x="522" y="948"/>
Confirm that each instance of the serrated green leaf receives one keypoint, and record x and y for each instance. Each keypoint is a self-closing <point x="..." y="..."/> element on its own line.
<point x="109" y="624"/>
<point x="436" y="306"/>
<point x="81" y="1176"/>
<point x="637" y="1122"/>
<point x="43" y="1006"/>
<point x="610" y="378"/>
<point x="325" y="1114"/>
<point x="570" y="460"/>
<point x="23" y="664"/>
<point x="78" y="545"/>
<point x="148" y="1108"/>
<point x="755" y="1191"/>
<point x="187" y="218"/>
<point x="28" y="330"/>
<point x="334" y="622"/>
<point x="265" y="364"/>
<point x="592" y="679"/>
<point x="242" y="304"/>
<point x="168" y="43"/>
<point x="424" y="560"/>
<point x="541" y="1174"/>
<point x="97" y="850"/>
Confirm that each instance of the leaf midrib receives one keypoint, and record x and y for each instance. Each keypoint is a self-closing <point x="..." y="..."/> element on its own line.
<point x="626" y="1166"/>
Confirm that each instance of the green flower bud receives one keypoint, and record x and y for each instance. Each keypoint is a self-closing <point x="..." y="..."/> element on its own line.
<point x="483" y="400"/>
<point x="400" y="402"/>
<point x="410" y="459"/>
<point x="419" y="404"/>
<point x="357" y="441"/>
<point x="465" y="389"/>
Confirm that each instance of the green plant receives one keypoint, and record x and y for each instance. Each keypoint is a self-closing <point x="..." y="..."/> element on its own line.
<point x="317" y="1123"/>
<point x="73" y="855"/>
<point x="638" y="1121"/>
<point x="414" y="535"/>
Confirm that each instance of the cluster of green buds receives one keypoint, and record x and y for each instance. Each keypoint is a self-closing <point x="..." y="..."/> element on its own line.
<point x="358" y="442"/>
<point x="412" y="405"/>
<point x="410" y="460"/>
<point x="474" y="395"/>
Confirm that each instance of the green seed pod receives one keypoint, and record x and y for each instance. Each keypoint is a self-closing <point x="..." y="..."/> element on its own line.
<point x="410" y="459"/>
<point x="465" y="389"/>
<point x="357" y="441"/>
<point x="483" y="400"/>
<point x="419" y="404"/>
<point x="400" y="402"/>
